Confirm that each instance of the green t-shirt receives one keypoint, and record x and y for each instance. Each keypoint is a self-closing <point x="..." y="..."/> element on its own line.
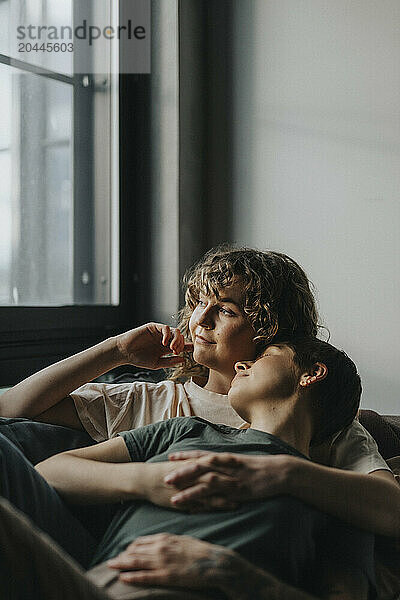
<point x="281" y="534"/>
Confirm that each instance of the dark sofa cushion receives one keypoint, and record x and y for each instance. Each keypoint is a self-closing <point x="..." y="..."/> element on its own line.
<point x="38" y="441"/>
<point x="384" y="429"/>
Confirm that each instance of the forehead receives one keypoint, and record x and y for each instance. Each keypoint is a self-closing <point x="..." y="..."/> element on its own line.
<point x="279" y="349"/>
<point x="232" y="293"/>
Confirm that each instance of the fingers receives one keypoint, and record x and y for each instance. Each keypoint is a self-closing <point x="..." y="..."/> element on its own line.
<point x="208" y="485"/>
<point x="153" y="577"/>
<point x="173" y="339"/>
<point x="206" y="504"/>
<point x="186" y="474"/>
<point x="170" y="361"/>
<point x="185" y="454"/>
<point x="147" y="543"/>
<point x="145" y="560"/>
<point x="129" y="562"/>
<point x="155" y="537"/>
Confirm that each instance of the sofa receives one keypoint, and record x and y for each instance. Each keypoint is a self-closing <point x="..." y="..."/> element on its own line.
<point x="38" y="441"/>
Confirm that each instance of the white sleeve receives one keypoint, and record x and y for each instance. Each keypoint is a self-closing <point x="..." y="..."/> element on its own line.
<point x="106" y="409"/>
<point x="101" y="405"/>
<point x="355" y="449"/>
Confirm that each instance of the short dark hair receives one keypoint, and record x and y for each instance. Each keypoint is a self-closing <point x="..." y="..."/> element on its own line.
<point x="335" y="400"/>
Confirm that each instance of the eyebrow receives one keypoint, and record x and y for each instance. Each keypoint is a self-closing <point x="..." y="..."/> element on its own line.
<point x="229" y="301"/>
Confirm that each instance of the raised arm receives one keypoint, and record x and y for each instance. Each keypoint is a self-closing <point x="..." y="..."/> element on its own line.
<point x="370" y="501"/>
<point x="43" y="395"/>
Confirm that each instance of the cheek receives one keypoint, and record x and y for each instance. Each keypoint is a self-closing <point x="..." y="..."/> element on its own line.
<point x="192" y="323"/>
<point x="242" y="340"/>
<point x="280" y="382"/>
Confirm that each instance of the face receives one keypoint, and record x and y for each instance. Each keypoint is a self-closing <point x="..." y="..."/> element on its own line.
<point x="272" y="376"/>
<point x="220" y="331"/>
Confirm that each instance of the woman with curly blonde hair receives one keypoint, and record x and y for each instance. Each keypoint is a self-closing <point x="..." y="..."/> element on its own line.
<point x="238" y="301"/>
<point x="276" y="296"/>
<point x="269" y="298"/>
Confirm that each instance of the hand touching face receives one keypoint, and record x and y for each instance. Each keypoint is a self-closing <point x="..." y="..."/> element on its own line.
<point x="151" y="346"/>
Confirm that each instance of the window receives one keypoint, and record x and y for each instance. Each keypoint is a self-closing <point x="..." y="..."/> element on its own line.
<point x="56" y="230"/>
<point x="63" y="164"/>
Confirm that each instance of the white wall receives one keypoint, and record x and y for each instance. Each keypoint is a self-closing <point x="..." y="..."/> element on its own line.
<point x="317" y="175"/>
<point x="165" y="152"/>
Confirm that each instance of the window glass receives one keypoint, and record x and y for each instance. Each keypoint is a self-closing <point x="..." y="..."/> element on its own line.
<point x="22" y="38"/>
<point x="5" y="28"/>
<point x="59" y="14"/>
<point x="36" y="191"/>
<point x="5" y="227"/>
<point x="59" y="171"/>
<point x="5" y="108"/>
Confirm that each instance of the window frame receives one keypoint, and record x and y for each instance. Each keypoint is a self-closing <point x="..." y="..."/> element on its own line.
<point x="31" y="337"/>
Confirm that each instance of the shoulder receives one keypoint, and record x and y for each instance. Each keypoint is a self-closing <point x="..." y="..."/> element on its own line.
<point x="149" y="440"/>
<point x="355" y="433"/>
<point x="353" y="449"/>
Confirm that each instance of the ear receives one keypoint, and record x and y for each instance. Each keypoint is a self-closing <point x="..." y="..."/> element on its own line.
<point x="318" y="372"/>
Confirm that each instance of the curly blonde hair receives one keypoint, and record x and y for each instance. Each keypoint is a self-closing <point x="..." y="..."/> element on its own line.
<point x="277" y="297"/>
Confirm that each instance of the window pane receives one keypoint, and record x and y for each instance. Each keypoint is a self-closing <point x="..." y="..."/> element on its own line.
<point x="59" y="14"/>
<point x="5" y="228"/>
<point x="36" y="192"/>
<point x="59" y="225"/>
<point x="59" y="183"/>
<point x="22" y="38"/>
<point x="59" y="112"/>
<point x="5" y="108"/>
<point x="4" y="26"/>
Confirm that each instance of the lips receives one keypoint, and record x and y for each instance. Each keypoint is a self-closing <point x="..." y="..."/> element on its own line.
<point x="201" y="340"/>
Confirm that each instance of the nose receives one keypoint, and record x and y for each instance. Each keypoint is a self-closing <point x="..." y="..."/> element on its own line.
<point x="243" y="365"/>
<point x="204" y="318"/>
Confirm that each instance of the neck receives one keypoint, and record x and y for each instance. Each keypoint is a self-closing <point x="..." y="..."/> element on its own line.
<point x="286" y="420"/>
<point x="219" y="382"/>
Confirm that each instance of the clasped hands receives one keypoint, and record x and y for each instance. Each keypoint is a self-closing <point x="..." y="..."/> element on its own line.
<point x="197" y="481"/>
<point x="221" y="480"/>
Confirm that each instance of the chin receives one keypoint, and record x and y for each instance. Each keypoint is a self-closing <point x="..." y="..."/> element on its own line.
<point x="234" y="400"/>
<point x="203" y="357"/>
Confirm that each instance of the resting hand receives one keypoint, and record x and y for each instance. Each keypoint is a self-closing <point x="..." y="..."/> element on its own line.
<point x="153" y="488"/>
<point x="181" y="561"/>
<point x="226" y="477"/>
<point x="171" y="560"/>
<point x="146" y="346"/>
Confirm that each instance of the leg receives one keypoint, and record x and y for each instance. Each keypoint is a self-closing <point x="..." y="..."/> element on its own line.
<point x="34" y="566"/>
<point x="22" y="485"/>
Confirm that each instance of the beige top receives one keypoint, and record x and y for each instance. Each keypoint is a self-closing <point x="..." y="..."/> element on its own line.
<point x="106" y="409"/>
